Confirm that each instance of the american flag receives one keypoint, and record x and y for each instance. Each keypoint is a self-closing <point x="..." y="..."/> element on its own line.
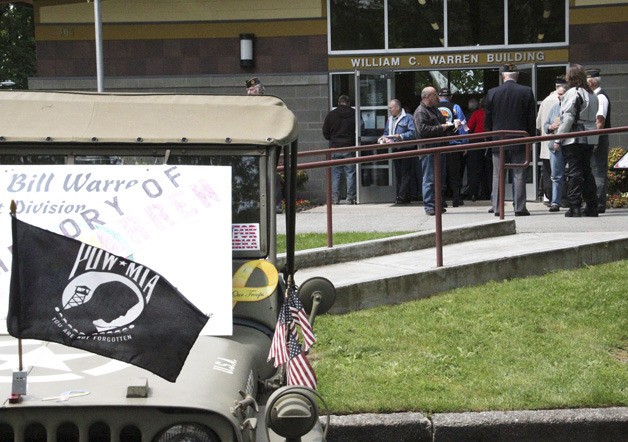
<point x="286" y="348"/>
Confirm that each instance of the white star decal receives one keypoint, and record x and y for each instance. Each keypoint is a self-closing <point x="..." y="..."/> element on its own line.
<point x="42" y="357"/>
<point x="50" y="356"/>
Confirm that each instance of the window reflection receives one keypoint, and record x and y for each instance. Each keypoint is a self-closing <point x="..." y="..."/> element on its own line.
<point x="357" y="24"/>
<point x="116" y="160"/>
<point x="32" y="159"/>
<point x="415" y="24"/>
<point x="245" y="176"/>
<point x="475" y="22"/>
<point x="469" y="81"/>
<point x="245" y="182"/>
<point x="536" y="21"/>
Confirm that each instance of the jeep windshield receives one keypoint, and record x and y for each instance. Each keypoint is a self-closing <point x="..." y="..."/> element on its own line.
<point x="248" y="208"/>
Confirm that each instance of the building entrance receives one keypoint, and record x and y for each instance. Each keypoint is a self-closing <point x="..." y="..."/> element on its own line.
<point x="372" y="90"/>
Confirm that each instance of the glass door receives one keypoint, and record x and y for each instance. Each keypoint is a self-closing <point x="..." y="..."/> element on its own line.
<point x="373" y="91"/>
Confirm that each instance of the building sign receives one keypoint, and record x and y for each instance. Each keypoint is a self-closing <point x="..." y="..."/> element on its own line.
<point x="447" y="60"/>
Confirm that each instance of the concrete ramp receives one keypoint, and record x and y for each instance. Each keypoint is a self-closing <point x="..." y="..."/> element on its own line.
<point x="392" y="278"/>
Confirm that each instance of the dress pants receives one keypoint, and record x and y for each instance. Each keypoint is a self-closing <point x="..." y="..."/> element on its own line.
<point x="454" y="174"/>
<point x="403" y="169"/>
<point x="479" y="174"/>
<point x="514" y="155"/>
<point x="546" y="178"/>
<point x="599" y="168"/>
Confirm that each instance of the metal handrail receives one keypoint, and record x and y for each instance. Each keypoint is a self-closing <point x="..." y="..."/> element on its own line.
<point x="506" y="138"/>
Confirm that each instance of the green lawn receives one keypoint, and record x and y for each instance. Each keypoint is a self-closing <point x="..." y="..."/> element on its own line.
<point x="556" y="341"/>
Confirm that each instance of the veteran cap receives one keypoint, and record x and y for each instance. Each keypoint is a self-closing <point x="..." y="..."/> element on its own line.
<point x="509" y="68"/>
<point x="593" y="73"/>
<point x="253" y="82"/>
<point x="560" y="80"/>
<point x="444" y="92"/>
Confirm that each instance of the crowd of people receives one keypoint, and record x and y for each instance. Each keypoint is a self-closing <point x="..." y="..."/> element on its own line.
<point x="573" y="169"/>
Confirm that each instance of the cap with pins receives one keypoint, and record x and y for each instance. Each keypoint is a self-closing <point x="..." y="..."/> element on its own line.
<point x="253" y="82"/>
<point x="444" y="92"/>
<point x="509" y="68"/>
<point x="593" y="73"/>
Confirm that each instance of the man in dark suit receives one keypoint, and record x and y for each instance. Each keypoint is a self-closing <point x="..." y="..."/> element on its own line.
<point x="511" y="106"/>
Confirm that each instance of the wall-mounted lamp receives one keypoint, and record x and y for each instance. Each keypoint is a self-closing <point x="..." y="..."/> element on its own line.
<point x="246" y="50"/>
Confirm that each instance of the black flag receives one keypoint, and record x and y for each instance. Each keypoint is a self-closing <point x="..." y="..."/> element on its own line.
<point x="65" y="291"/>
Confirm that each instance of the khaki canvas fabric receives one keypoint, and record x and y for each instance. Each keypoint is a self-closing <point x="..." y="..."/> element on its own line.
<point x="154" y="118"/>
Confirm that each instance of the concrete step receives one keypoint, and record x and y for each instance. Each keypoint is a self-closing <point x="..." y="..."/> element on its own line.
<point x="402" y="243"/>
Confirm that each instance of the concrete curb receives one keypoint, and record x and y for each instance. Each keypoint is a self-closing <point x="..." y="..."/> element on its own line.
<point x="398" y="427"/>
<point x="397" y="244"/>
<point x="576" y="425"/>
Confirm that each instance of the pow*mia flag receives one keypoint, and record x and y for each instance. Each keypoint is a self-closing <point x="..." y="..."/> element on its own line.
<point x="65" y="291"/>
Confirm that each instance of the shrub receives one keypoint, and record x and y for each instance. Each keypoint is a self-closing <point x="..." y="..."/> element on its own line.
<point x="617" y="179"/>
<point x="302" y="179"/>
<point x="617" y="183"/>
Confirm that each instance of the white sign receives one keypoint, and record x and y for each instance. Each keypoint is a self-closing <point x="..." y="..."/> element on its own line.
<point x="174" y="219"/>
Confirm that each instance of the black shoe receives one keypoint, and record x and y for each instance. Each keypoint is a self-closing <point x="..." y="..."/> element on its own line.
<point x="522" y="213"/>
<point x="601" y="209"/>
<point x="496" y="213"/>
<point x="573" y="212"/>
<point x="352" y="202"/>
<point x="590" y="212"/>
<point x="458" y="203"/>
<point x="554" y="208"/>
<point x="491" y="210"/>
<point x="445" y="204"/>
<point x="474" y="198"/>
<point x="401" y="201"/>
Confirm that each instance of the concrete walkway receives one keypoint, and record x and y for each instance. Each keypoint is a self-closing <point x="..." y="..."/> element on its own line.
<point x="412" y="218"/>
<point x="478" y="247"/>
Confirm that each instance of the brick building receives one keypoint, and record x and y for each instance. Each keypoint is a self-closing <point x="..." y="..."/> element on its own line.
<point x="308" y="52"/>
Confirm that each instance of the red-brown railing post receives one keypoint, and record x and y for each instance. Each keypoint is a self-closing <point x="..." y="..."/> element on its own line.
<point x="502" y="182"/>
<point x="438" y="210"/>
<point x="330" y="230"/>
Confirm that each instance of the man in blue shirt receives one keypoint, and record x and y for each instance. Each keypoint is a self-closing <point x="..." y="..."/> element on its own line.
<point x="400" y="127"/>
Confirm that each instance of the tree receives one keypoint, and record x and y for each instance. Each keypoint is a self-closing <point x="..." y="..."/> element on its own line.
<point x="17" y="43"/>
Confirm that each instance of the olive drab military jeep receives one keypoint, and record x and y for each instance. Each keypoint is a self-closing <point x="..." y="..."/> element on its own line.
<point x="228" y="389"/>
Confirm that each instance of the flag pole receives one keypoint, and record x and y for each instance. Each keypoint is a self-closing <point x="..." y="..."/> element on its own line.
<point x="290" y="163"/>
<point x="18" y="387"/>
<point x="13" y="209"/>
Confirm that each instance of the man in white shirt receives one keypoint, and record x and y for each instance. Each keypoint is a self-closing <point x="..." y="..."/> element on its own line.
<point x="599" y="159"/>
<point x="544" y="109"/>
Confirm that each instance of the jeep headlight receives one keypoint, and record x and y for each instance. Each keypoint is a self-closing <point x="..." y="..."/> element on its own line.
<point x="188" y="432"/>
